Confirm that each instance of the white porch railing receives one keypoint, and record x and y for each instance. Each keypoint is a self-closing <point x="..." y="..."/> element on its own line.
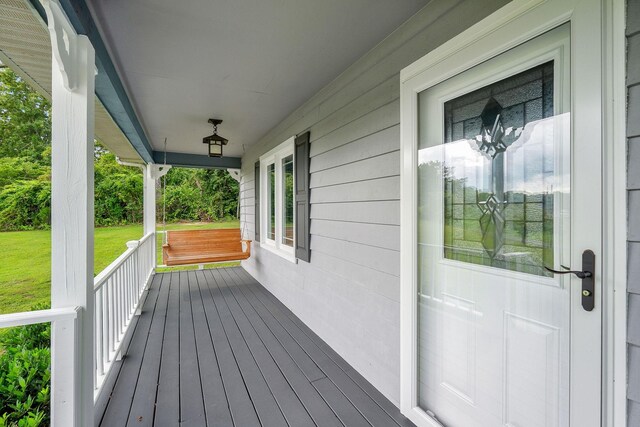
<point x="64" y="372"/>
<point x="118" y="292"/>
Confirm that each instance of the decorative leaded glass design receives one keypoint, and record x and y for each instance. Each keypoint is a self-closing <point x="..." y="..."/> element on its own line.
<point x="493" y="139"/>
<point x="498" y="202"/>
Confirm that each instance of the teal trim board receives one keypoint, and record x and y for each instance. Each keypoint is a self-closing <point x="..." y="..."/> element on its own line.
<point x="196" y="160"/>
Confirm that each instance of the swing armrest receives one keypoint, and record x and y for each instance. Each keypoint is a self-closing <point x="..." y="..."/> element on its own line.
<point x="165" y="252"/>
<point x="248" y="243"/>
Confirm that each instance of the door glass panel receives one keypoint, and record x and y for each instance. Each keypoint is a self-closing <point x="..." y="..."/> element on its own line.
<point x="493" y="211"/>
<point x="287" y="208"/>
<point x="498" y="207"/>
<point x="271" y="204"/>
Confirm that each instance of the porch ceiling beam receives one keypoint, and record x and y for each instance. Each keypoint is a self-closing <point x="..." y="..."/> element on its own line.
<point x="108" y="86"/>
<point x="197" y="160"/>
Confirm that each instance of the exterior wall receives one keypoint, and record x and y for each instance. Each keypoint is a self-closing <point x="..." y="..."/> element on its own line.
<point x="633" y="185"/>
<point x="349" y="293"/>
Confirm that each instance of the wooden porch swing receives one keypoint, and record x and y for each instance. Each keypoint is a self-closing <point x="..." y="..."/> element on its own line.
<point x="188" y="247"/>
<point x="184" y="247"/>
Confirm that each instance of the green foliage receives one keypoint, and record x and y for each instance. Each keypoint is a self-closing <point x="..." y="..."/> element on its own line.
<point x="25" y="205"/>
<point x="14" y="169"/>
<point x="30" y="336"/>
<point x="199" y="195"/>
<point x="25" y="375"/>
<point x="118" y="191"/>
<point x="25" y="173"/>
<point x="25" y="119"/>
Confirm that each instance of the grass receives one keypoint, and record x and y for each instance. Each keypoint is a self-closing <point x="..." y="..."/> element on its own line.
<point x="25" y="268"/>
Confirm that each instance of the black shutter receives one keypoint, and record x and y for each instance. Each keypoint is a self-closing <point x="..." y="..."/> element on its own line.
<point x="303" y="215"/>
<point x="257" y="201"/>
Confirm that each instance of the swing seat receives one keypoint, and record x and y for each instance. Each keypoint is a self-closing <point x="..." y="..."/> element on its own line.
<point x="186" y="247"/>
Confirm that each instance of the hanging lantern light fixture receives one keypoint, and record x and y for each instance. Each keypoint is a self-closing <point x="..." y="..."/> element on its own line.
<point x="215" y="141"/>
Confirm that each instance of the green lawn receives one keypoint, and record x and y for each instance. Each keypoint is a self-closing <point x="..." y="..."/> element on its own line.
<point x="25" y="268"/>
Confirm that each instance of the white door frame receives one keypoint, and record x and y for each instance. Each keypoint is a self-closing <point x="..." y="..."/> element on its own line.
<point x="598" y="31"/>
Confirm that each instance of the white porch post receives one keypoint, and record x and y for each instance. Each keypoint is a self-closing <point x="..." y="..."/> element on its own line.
<point x="72" y="93"/>
<point x="149" y="200"/>
<point x="152" y="172"/>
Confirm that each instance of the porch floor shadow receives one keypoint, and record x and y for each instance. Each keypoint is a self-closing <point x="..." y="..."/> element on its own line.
<point x="215" y="348"/>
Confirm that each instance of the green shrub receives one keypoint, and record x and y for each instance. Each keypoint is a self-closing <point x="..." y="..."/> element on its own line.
<point x="25" y="205"/>
<point x="25" y="375"/>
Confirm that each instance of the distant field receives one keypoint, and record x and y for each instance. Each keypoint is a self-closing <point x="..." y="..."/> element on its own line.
<point x="25" y="268"/>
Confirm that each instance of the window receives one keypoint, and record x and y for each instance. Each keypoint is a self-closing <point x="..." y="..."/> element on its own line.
<point x="287" y="205"/>
<point x="277" y="200"/>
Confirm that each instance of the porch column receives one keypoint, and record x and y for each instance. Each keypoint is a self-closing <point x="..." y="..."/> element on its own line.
<point x="152" y="172"/>
<point x="149" y="200"/>
<point x="72" y="95"/>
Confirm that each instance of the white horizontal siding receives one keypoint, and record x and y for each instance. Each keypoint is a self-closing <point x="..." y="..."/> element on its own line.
<point x="381" y="166"/>
<point x="367" y="212"/>
<point x="381" y="236"/>
<point x="381" y="118"/>
<point x="386" y="188"/>
<point x="349" y="292"/>
<point x="375" y="258"/>
<point x="381" y="142"/>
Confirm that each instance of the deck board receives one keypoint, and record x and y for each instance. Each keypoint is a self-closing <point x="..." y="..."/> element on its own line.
<point x="216" y="404"/>
<point x="289" y="403"/>
<point x="142" y="407"/>
<point x="266" y="406"/>
<point x="240" y="404"/>
<point x="116" y="414"/>
<point x="167" y="407"/>
<point x="215" y="348"/>
<point x="317" y="408"/>
<point x="191" y="396"/>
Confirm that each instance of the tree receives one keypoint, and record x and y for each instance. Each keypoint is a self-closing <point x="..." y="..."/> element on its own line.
<point x="25" y="119"/>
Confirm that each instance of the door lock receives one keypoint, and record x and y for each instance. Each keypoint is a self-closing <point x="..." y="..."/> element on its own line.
<point x="586" y="275"/>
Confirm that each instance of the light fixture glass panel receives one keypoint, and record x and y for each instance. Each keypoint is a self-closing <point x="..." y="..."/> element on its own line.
<point x="287" y="208"/>
<point x="215" y="150"/>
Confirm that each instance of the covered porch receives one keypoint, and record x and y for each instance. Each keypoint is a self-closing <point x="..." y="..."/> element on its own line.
<point x="214" y="347"/>
<point x="350" y="309"/>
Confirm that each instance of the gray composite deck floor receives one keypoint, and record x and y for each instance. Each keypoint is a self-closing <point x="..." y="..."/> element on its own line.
<point x="215" y="348"/>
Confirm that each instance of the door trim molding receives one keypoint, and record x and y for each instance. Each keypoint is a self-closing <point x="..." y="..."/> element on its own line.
<point x="615" y="226"/>
<point x="541" y="17"/>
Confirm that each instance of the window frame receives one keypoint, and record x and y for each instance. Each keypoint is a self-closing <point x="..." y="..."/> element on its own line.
<point x="275" y="157"/>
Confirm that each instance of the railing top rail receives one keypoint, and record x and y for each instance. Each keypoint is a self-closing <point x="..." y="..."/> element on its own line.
<point x="146" y="237"/>
<point x="38" y="316"/>
<point x="102" y="277"/>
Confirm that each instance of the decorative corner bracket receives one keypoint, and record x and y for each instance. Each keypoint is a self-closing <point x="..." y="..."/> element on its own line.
<point x="64" y="41"/>
<point x="157" y="171"/>
<point x="235" y="174"/>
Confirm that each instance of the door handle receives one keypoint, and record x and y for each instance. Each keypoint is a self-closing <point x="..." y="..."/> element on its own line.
<point x="567" y="270"/>
<point x="586" y="275"/>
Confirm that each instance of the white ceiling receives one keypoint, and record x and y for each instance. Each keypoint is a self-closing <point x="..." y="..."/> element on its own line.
<point x="248" y="62"/>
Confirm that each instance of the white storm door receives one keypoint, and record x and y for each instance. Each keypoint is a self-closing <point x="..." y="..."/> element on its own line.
<point x="506" y="183"/>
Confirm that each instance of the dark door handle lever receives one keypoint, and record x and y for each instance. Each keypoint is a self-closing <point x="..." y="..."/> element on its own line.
<point x="567" y="270"/>
<point x="586" y="275"/>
